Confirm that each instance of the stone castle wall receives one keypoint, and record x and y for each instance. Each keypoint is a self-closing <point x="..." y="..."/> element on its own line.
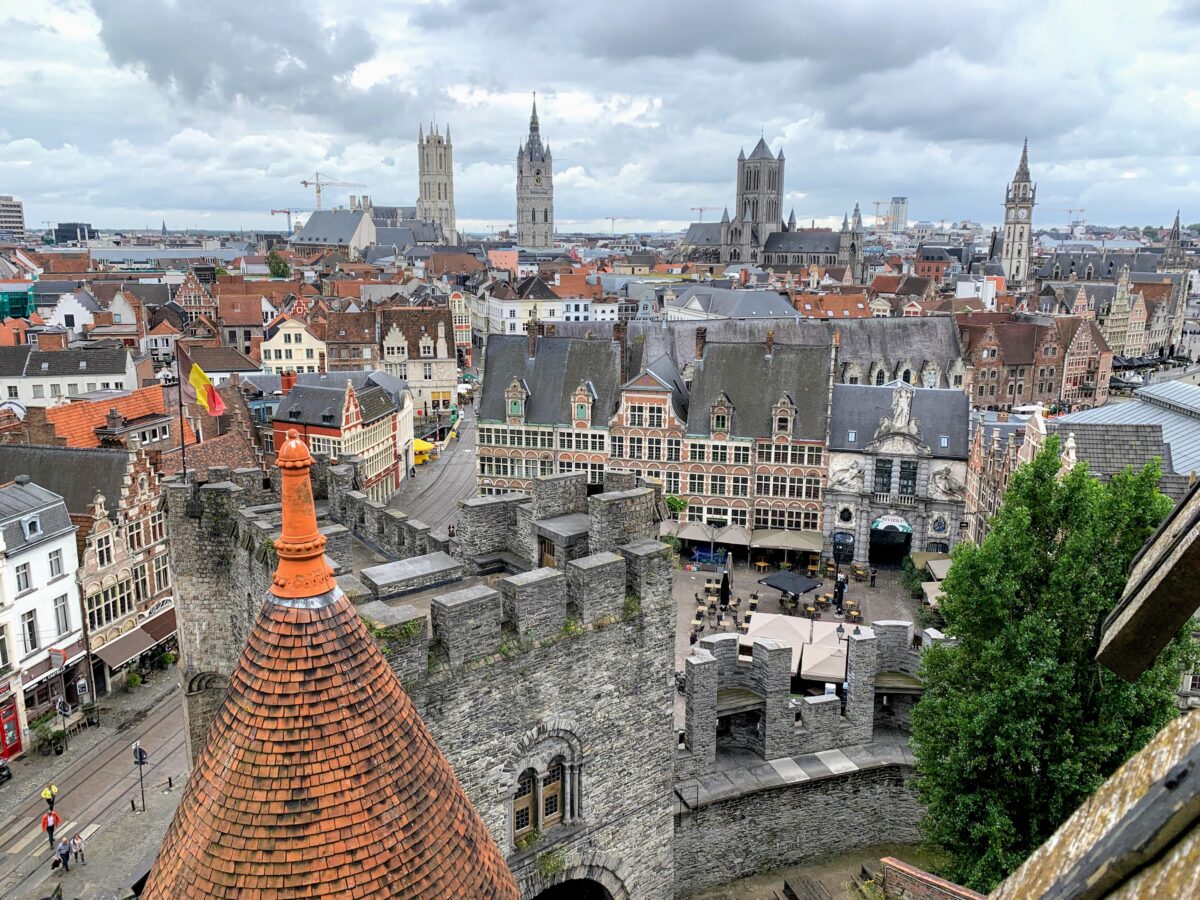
<point x="788" y="825"/>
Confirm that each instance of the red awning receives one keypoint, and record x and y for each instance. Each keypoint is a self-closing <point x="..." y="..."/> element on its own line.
<point x="130" y="646"/>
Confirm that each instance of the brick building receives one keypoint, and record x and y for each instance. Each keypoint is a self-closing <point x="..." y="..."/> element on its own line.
<point x="352" y="341"/>
<point x="195" y="298"/>
<point x="417" y="344"/>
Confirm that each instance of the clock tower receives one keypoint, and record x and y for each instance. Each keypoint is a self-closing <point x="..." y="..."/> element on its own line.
<point x="535" y="189"/>
<point x="1018" y="224"/>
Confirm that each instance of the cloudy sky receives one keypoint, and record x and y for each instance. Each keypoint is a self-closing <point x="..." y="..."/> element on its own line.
<point x="208" y="114"/>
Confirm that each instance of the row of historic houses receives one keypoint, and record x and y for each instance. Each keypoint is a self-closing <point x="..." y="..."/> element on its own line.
<point x="764" y="450"/>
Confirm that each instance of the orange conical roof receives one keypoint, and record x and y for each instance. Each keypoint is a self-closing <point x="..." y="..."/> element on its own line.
<point x="318" y="778"/>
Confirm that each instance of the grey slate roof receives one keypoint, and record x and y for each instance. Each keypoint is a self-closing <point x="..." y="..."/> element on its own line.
<point x="863" y="341"/>
<point x="20" y="500"/>
<point x="1110" y="448"/>
<point x="333" y="227"/>
<point x="938" y="411"/>
<point x="1173" y="406"/>
<point x="754" y="382"/>
<point x="223" y="359"/>
<point x="761" y="151"/>
<point x="733" y="304"/>
<point x="703" y="234"/>
<point x="808" y="240"/>
<point x="27" y="362"/>
<point x="551" y="376"/>
<point x="319" y="393"/>
<point x="75" y="474"/>
<point x="666" y="371"/>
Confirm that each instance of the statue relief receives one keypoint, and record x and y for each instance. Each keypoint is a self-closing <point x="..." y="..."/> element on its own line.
<point x="943" y="481"/>
<point x="901" y="406"/>
<point x="849" y="478"/>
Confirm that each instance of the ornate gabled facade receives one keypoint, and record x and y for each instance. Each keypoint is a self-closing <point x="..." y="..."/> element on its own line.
<point x="535" y="189"/>
<point x="195" y="299"/>
<point x="897" y="470"/>
<point x="308" y="785"/>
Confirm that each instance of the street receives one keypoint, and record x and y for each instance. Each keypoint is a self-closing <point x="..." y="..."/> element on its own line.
<point x="433" y="495"/>
<point x="94" y="800"/>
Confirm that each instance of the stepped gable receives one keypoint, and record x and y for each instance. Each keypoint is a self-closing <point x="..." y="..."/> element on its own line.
<point x="318" y="778"/>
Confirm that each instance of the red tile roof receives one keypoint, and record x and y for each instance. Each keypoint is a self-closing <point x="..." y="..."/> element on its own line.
<point x="310" y="784"/>
<point x="76" y="423"/>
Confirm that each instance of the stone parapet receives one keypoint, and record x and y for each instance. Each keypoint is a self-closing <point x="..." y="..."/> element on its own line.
<point x="535" y="603"/>
<point x="620" y="518"/>
<point x="405" y="576"/>
<point x="466" y="623"/>
<point x="402" y="634"/>
<point x="596" y="587"/>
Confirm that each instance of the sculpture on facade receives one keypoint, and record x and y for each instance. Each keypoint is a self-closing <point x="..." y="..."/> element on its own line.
<point x="849" y="478"/>
<point x="942" y="479"/>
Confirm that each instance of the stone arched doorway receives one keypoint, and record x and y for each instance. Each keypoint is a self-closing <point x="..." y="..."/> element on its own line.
<point x="576" y="889"/>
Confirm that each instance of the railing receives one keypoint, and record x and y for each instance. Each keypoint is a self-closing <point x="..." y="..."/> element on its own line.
<point x="894" y="499"/>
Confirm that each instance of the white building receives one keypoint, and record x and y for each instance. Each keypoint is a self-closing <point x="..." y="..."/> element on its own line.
<point x="12" y="217"/>
<point x="292" y="346"/>
<point x="45" y="378"/>
<point x="42" y="648"/>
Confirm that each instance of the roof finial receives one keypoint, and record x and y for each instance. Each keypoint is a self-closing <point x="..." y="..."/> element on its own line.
<point x="302" y="570"/>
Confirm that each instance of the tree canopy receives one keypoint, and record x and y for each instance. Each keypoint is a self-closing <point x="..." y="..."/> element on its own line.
<point x="277" y="265"/>
<point x="1018" y="723"/>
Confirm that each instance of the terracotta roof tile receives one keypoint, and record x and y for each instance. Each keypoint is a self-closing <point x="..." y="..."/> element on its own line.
<point x="76" y="423"/>
<point x="310" y="785"/>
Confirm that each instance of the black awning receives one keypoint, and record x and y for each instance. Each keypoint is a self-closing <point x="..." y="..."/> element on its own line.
<point x="790" y="582"/>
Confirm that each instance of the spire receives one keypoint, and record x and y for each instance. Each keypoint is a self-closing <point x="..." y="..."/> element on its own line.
<point x="533" y="119"/>
<point x="792" y="220"/>
<point x="761" y="150"/>
<point x="447" y="132"/>
<point x="845" y="222"/>
<point x="742" y="154"/>
<point x="420" y="134"/>
<point x="725" y="215"/>
<point x="315" y="732"/>
<point x="1176" y="231"/>
<point x="856" y="222"/>
<point x="1023" y="165"/>
<point x="780" y="155"/>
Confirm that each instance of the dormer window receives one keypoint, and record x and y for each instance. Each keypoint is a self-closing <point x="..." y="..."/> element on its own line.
<point x="514" y="407"/>
<point x="720" y="423"/>
<point x="581" y="410"/>
<point x="33" y="527"/>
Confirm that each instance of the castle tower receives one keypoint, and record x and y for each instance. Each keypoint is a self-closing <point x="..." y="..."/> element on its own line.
<point x="435" y="161"/>
<point x="535" y="189"/>
<point x="1018" y="223"/>
<point x="759" y="199"/>
<point x="318" y="778"/>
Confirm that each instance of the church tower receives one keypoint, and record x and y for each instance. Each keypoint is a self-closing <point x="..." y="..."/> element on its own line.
<point x="759" y="209"/>
<point x="535" y="189"/>
<point x="1018" y="223"/>
<point x="435" y="162"/>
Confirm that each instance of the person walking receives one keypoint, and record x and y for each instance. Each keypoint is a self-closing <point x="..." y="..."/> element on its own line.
<point x="873" y="574"/>
<point x="50" y="794"/>
<point x="77" y="846"/>
<point x="50" y="821"/>
<point x="64" y="854"/>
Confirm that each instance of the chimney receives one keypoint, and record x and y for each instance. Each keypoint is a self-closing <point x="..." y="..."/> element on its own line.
<point x="113" y="420"/>
<point x="52" y="340"/>
<point x="531" y="332"/>
<point x="701" y="338"/>
<point x="287" y="381"/>
<point x="770" y="341"/>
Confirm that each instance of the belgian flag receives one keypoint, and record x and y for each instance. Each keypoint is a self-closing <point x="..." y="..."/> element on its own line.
<point x="197" y="387"/>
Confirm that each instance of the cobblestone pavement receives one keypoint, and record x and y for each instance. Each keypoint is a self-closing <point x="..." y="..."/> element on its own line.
<point x="97" y="780"/>
<point x="433" y="495"/>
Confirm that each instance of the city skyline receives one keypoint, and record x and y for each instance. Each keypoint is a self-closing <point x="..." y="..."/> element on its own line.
<point x="646" y="110"/>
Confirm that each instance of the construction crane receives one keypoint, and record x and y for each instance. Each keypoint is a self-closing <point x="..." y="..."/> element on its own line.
<point x="886" y="217"/>
<point x="288" y="212"/>
<point x="612" y="222"/>
<point x="319" y="182"/>
<point x="1070" y="211"/>
<point x="701" y="209"/>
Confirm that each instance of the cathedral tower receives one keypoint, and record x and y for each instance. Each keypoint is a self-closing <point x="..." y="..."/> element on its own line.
<point x="1018" y="223"/>
<point x="759" y="209"/>
<point x="435" y="161"/>
<point x="535" y="189"/>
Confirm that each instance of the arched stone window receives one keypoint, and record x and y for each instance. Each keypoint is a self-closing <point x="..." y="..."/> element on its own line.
<point x="548" y="791"/>
<point x="524" y="814"/>
<point x="879" y="377"/>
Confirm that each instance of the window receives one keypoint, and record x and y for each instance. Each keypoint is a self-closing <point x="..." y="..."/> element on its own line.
<point x="908" y="477"/>
<point x="110" y="604"/>
<point x="654" y="448"/>
<point x="33" y="527"/>
<point x="696" y="452"/>
<point x="695" y="483"/>
<point x="141" y="583"/>
<point x="720" y="453"/>
<point x="883" y="476"/>
<point x="523" y="805"/>
<point x="12" y="392"/>
<point x="716" y="485"/>
<point x="720" y="422"/>
<point x="851" y="437"/>
<point x="654" y="416"/>
<point x="672" y="485"/>
<point x="944" y="440"/>
<point x="56" y="567"/>
<point x="158" y="527"/>
<point x="674" y="445"/>
<point x="637" y="415"/>
<point x="741" y="486"/>
<point x="427" y="371"/>
<point x="39" y="392"/>
<point x="29" y="631"/>
<point x="104" y="550"/>
<point x="782" y="424"/>
<point x="23" y="582"/>
<point x="618" y="447"/>
<point x="552" y="798"/>
<point x="62" y="615"/>
<point x="4" y="658"/>
<point x="741" y="454"/>
<point x="635" y="448"/>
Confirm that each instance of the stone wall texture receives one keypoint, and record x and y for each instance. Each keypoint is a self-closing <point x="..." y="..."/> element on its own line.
<point x="900" y="881"/>
<point x="788" y="825"/>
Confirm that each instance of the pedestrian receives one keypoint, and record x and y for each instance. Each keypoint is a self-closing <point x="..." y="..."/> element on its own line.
<point x="873" y="573"/>
<point x="50" y="821"/>
<point x="50" y="794"/>
<point x="77" y="848"/>
<point x="64" y="854"/>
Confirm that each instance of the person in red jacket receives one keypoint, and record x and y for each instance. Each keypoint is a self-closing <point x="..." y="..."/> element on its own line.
<point x="50" y="821"/>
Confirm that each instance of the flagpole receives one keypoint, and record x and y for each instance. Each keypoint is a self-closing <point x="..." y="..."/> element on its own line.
<point x="182" y="432"/>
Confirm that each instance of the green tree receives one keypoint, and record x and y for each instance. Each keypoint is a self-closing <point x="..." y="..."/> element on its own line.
<point x="1018" y="722"/>
<point x="1150" y="232"/>
<point x="277" y="265"/>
